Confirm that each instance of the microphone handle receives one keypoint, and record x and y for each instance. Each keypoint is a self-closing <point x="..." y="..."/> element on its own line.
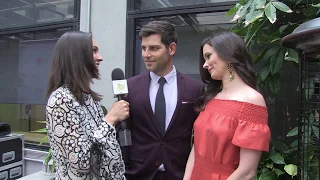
<point x="124" y="133"/>
<point x="123" y="124"/>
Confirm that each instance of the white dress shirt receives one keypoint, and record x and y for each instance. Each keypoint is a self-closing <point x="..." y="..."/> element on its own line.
<point x="170" y="91"/>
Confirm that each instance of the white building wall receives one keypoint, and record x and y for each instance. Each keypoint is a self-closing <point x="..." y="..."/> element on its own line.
<point x="106" y="19"/>
<point x="108" y="26"/>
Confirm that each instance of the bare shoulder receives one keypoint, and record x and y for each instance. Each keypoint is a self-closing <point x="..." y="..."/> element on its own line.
<point x="254" y="97"/>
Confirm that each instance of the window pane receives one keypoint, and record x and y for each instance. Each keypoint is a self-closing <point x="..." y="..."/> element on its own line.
<point x="25" y="61"/>
<point x="23" y="119"/>
<point x="16" y="13"/>
<point x="191" y="30"/>
<point x="157" y="4"/>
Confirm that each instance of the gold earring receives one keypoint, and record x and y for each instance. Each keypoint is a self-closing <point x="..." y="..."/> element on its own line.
<point x="231" y="72"/>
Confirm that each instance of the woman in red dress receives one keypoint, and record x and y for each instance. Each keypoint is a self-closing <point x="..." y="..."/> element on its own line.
<point x="232" y="128"/>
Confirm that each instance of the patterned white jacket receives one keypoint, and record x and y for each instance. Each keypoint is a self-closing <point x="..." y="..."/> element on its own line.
<point x="84" y="145"/>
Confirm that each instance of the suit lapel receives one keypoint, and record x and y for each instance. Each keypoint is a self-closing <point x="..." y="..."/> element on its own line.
<point x="146" y="99"/>
<point x="180" y="88"/>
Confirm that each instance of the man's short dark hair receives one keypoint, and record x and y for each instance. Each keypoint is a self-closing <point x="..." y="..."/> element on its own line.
<point x="163" y="28"/>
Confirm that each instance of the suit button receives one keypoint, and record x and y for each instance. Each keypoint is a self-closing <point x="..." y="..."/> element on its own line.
<point x="157" y="163"/>
<point x="162" y="143"/>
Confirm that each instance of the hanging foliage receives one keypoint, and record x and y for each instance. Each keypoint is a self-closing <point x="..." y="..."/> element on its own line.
<point x="262" y="24"/>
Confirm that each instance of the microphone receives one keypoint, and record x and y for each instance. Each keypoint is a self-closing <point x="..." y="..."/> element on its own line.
<point x="120" y="88"/>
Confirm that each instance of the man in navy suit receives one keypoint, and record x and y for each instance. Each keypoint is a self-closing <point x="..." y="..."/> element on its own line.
<point x="161" y="113"/>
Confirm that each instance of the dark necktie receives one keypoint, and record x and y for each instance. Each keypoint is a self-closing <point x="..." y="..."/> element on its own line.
<point x="160" y="106"/>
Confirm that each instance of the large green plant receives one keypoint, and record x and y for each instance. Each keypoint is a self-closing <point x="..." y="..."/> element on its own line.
<point x="262" y="24"/>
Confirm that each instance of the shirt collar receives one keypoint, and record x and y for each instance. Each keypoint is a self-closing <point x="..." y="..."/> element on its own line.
<point x="169" y="77"/>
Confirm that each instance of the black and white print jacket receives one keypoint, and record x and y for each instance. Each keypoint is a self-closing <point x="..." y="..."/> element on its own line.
<point x="84" y="146"/>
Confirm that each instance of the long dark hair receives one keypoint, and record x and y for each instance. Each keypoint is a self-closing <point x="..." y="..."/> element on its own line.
<point x="229" y="47"/>
<point x="73" y="65"/>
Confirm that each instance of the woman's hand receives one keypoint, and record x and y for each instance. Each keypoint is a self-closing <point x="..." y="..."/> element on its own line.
<point x="119" y="111"/>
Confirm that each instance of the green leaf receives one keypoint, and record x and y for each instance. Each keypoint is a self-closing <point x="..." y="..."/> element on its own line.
<point x="48" y="157"/>
<point x="279" y="145"/>
<point x="264" y="72"/>
<point x="273" y="61"/>
<point x="104" y="109"/>
<point x="270" y="166"/>
<point x="270" y="12"/>
<point x="278" y="172"/>
<point x="275" y="40"/>
<point x="53" y="166"/>
<point x="248" y="36"/>
<point x="315" y="131"/>
<point x="249" y="14"/>
<point x="311" y="118"/>
<point x="277" y="158"/>
<point x="43" y="140"/>
<point x="291" y="169"/>
<point x="269" y="53"/>
<point x="253" y="56"/>
<point x="291" y="55"/>
<point x="293" y="132"/>
<point x="251" y="18"/>
<point x="268" y="176"/>
<point x="42" y="122"/>
<point x="265" y="170"/>
<point x="314" y="164"/>
<point x="309" y="89"/>
<point x="294" y="143"/>
<point x="281" y="6"/>
<point x="276" y="61"/>
<point x="316" y="5"/>
<point x="255" y="11"/>
<point x="274" y="84"/>
<point x="43" y="130"/>
<point x="282" y="28"/>
<point x="233" y="10"/>
<point x="260" y="4"/>
<point x="241" y="11"/>
<point x="298" y="2"/>
<point x="316" y="115"/>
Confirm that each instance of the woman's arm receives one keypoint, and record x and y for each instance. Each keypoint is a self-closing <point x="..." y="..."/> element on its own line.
<point x="112" y="166"/>
<point x="189" y="167"/>
<point x="249" y="160"/>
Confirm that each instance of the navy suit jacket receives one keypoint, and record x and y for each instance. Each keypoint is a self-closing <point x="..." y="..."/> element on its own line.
<point x="149" y="147"/>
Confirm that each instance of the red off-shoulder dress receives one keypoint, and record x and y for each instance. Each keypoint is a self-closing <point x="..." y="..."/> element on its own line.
<point x="221" y="130"/>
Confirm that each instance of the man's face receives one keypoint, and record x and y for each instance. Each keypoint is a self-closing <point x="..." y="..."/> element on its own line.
<point x="156" y="56"/>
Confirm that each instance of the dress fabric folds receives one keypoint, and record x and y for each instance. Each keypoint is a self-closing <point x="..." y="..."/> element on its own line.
<point x="221" y="130"/>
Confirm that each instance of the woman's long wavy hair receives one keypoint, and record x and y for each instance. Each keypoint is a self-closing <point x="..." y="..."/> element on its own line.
<point x="73" y="65"/>
<point x="232" y="49"/>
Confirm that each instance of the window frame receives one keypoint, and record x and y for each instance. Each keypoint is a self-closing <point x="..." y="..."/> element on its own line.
<point x="73" y="23"/>
<point x="133" y="15"/>
<point x="45" y="25"/>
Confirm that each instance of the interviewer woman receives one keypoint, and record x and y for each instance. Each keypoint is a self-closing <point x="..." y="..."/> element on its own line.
<point x="82" y="139"/>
